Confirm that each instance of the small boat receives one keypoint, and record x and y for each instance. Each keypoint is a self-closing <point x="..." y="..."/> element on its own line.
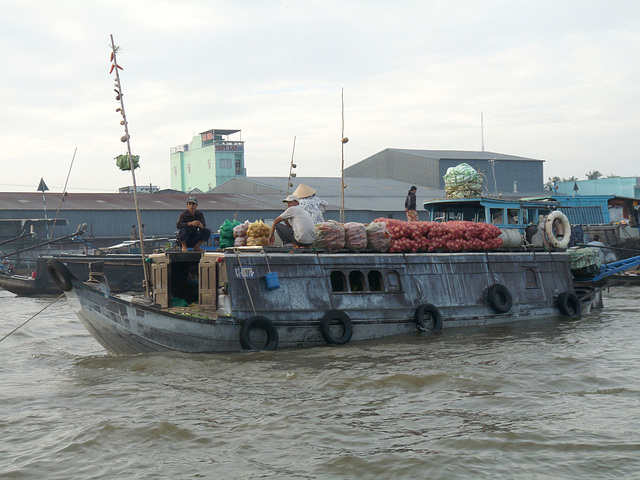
<point x="122" y="265"/>
<point x="262" y="298"/>
<point x="626" y="280"/>
<point x="25" y="285"/>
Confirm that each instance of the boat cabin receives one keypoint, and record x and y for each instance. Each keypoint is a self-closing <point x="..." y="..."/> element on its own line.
<point x="509" y="214"/>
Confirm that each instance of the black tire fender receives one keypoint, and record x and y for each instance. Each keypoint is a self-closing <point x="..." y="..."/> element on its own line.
<point x="262" y="323"/>
<point x="428" y="318"/>
<point x="125" y="284"/>
<point x="60" y="274"/>
<point x="499" y="297"/>
<point x="569" y="304"/>
<point x="333" y="317"/>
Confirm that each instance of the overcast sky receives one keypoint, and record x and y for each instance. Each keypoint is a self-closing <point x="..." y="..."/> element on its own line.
<point x="556" y="80"/>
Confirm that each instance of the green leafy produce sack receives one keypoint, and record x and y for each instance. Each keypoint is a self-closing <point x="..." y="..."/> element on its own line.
<point x="122" y="161"/>
<point x="226" y="233"/>
<point x="462" y="181"/>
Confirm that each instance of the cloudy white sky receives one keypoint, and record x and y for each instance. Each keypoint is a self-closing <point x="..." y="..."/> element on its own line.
<point x="557" y="80"/>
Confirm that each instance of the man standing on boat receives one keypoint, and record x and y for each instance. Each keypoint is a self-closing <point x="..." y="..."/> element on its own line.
<point x="192" y="231"/>
<point x="294" y="225"/>
<point x="410" y="205"/>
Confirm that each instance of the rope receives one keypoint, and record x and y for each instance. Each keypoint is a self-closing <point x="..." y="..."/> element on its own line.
<point x="34" y="315"/>
<point x="64" y="192"/>
<point x="246" y="284"/>
<point x="267" y="260"/>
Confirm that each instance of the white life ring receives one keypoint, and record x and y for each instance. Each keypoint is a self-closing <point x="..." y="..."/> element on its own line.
<point x="563" y="229"/>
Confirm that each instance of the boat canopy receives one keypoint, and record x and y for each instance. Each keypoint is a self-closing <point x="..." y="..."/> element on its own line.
<point x="501" y="212"/>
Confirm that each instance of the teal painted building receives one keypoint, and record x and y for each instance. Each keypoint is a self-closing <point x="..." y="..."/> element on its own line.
<point x="211" y="159"/>
<point x="621" y="186"/>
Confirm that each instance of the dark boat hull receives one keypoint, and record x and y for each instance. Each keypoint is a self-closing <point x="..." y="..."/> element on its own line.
<point x="124" y="272"/>
<point x="27" y="286"/>
<point x="381" y="295"/>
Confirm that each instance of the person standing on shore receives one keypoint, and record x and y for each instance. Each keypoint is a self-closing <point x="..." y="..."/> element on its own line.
<point x="410" y="205"/>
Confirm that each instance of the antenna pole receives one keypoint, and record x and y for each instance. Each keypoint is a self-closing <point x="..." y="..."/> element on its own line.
<point x="342" y="185"/>
<point x="482" y="128"/>
<point x="291" y="167"/>
<point x="126" y="138"/>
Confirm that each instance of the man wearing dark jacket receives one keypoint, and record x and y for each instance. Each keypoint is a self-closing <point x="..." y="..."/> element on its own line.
<point x="192" y="231"/>
<point x="410" y="205"/>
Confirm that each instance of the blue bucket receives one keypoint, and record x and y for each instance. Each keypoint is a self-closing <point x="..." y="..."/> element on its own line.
<point x="272" y="280"/>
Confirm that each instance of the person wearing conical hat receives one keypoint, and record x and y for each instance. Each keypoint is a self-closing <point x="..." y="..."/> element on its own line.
<point x="308" y="200"/>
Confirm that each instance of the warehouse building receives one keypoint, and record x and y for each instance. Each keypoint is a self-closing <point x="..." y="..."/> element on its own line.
<point x="504" y="174"/>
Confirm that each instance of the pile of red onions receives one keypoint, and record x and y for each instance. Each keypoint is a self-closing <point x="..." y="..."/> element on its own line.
<point x="448" y="236"/>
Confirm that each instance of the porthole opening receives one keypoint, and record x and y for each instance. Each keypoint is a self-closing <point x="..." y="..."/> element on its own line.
<point x="338" y="282"/>
<point x="356" y="280"/>
<point x="375" y="281"/>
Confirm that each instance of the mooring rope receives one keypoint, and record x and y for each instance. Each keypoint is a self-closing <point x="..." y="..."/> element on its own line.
<point x="246" y="284"/>
<point x="32" y="316"/>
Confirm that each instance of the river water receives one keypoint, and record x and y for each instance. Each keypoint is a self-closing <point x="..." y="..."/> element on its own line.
<point x="553" y="400"/>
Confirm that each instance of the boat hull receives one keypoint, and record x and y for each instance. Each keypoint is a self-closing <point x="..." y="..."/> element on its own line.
<point x="380" y="297"/>
<point x="27" y="286"/>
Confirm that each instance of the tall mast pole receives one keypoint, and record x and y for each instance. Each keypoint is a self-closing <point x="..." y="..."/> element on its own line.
<point x="342" y="185"/>
<point x="126" y="138"/>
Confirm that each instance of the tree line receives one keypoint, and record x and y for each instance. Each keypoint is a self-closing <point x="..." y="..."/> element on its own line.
<point x="592" y="175"/>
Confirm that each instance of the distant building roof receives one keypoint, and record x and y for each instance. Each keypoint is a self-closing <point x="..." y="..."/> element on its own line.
<point x="124" y="201"/>
<point x="462" y="155"/>
<point x="360" y="193"/>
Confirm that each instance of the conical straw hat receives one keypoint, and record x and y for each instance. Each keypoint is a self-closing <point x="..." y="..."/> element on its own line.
<point x="303" y="191"/>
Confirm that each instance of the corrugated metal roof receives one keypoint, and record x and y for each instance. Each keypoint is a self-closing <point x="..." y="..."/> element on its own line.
<point x="462" y="155"/>
<point x="125" y="201"/>
<point x="360" y="193"/>
<point x="330" y="186"/>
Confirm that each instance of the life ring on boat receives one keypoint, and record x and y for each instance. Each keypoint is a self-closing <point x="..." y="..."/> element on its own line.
<point x="40" y="283"/>
<point x="499" y="297"/>
<point x="428" y="318"/>
<point x="61" y="274"/>
<point x="569" y="304"/>
<point x="262" y="323"/>
<point x="333" y="317"/>
<point x="563" y="229"/>
<point x="125" y="284"/>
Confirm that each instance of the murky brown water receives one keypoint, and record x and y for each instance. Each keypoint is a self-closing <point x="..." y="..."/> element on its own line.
<point x="558" y="400"/>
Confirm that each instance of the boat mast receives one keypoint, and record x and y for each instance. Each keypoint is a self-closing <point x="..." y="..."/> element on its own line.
<point x="342" y="185"/>
<point x="126" y="138"/>
<point x="482" y="128"/>
<point x="291" y="167"/>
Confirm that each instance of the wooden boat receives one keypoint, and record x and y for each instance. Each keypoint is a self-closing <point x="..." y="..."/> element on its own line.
<point x="122" y="265"/>
<point x="264" y="298"/>
<point x="28" y="286"/>
<point x="125" y="274"/>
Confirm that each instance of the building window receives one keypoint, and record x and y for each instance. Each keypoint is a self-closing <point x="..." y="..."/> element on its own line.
<point x="175" y="171"/>
<point x="209" y="162"/>
<point x="189" y="167"/>
<point x="238" y="166"/>
<point x="225" y="163"/>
